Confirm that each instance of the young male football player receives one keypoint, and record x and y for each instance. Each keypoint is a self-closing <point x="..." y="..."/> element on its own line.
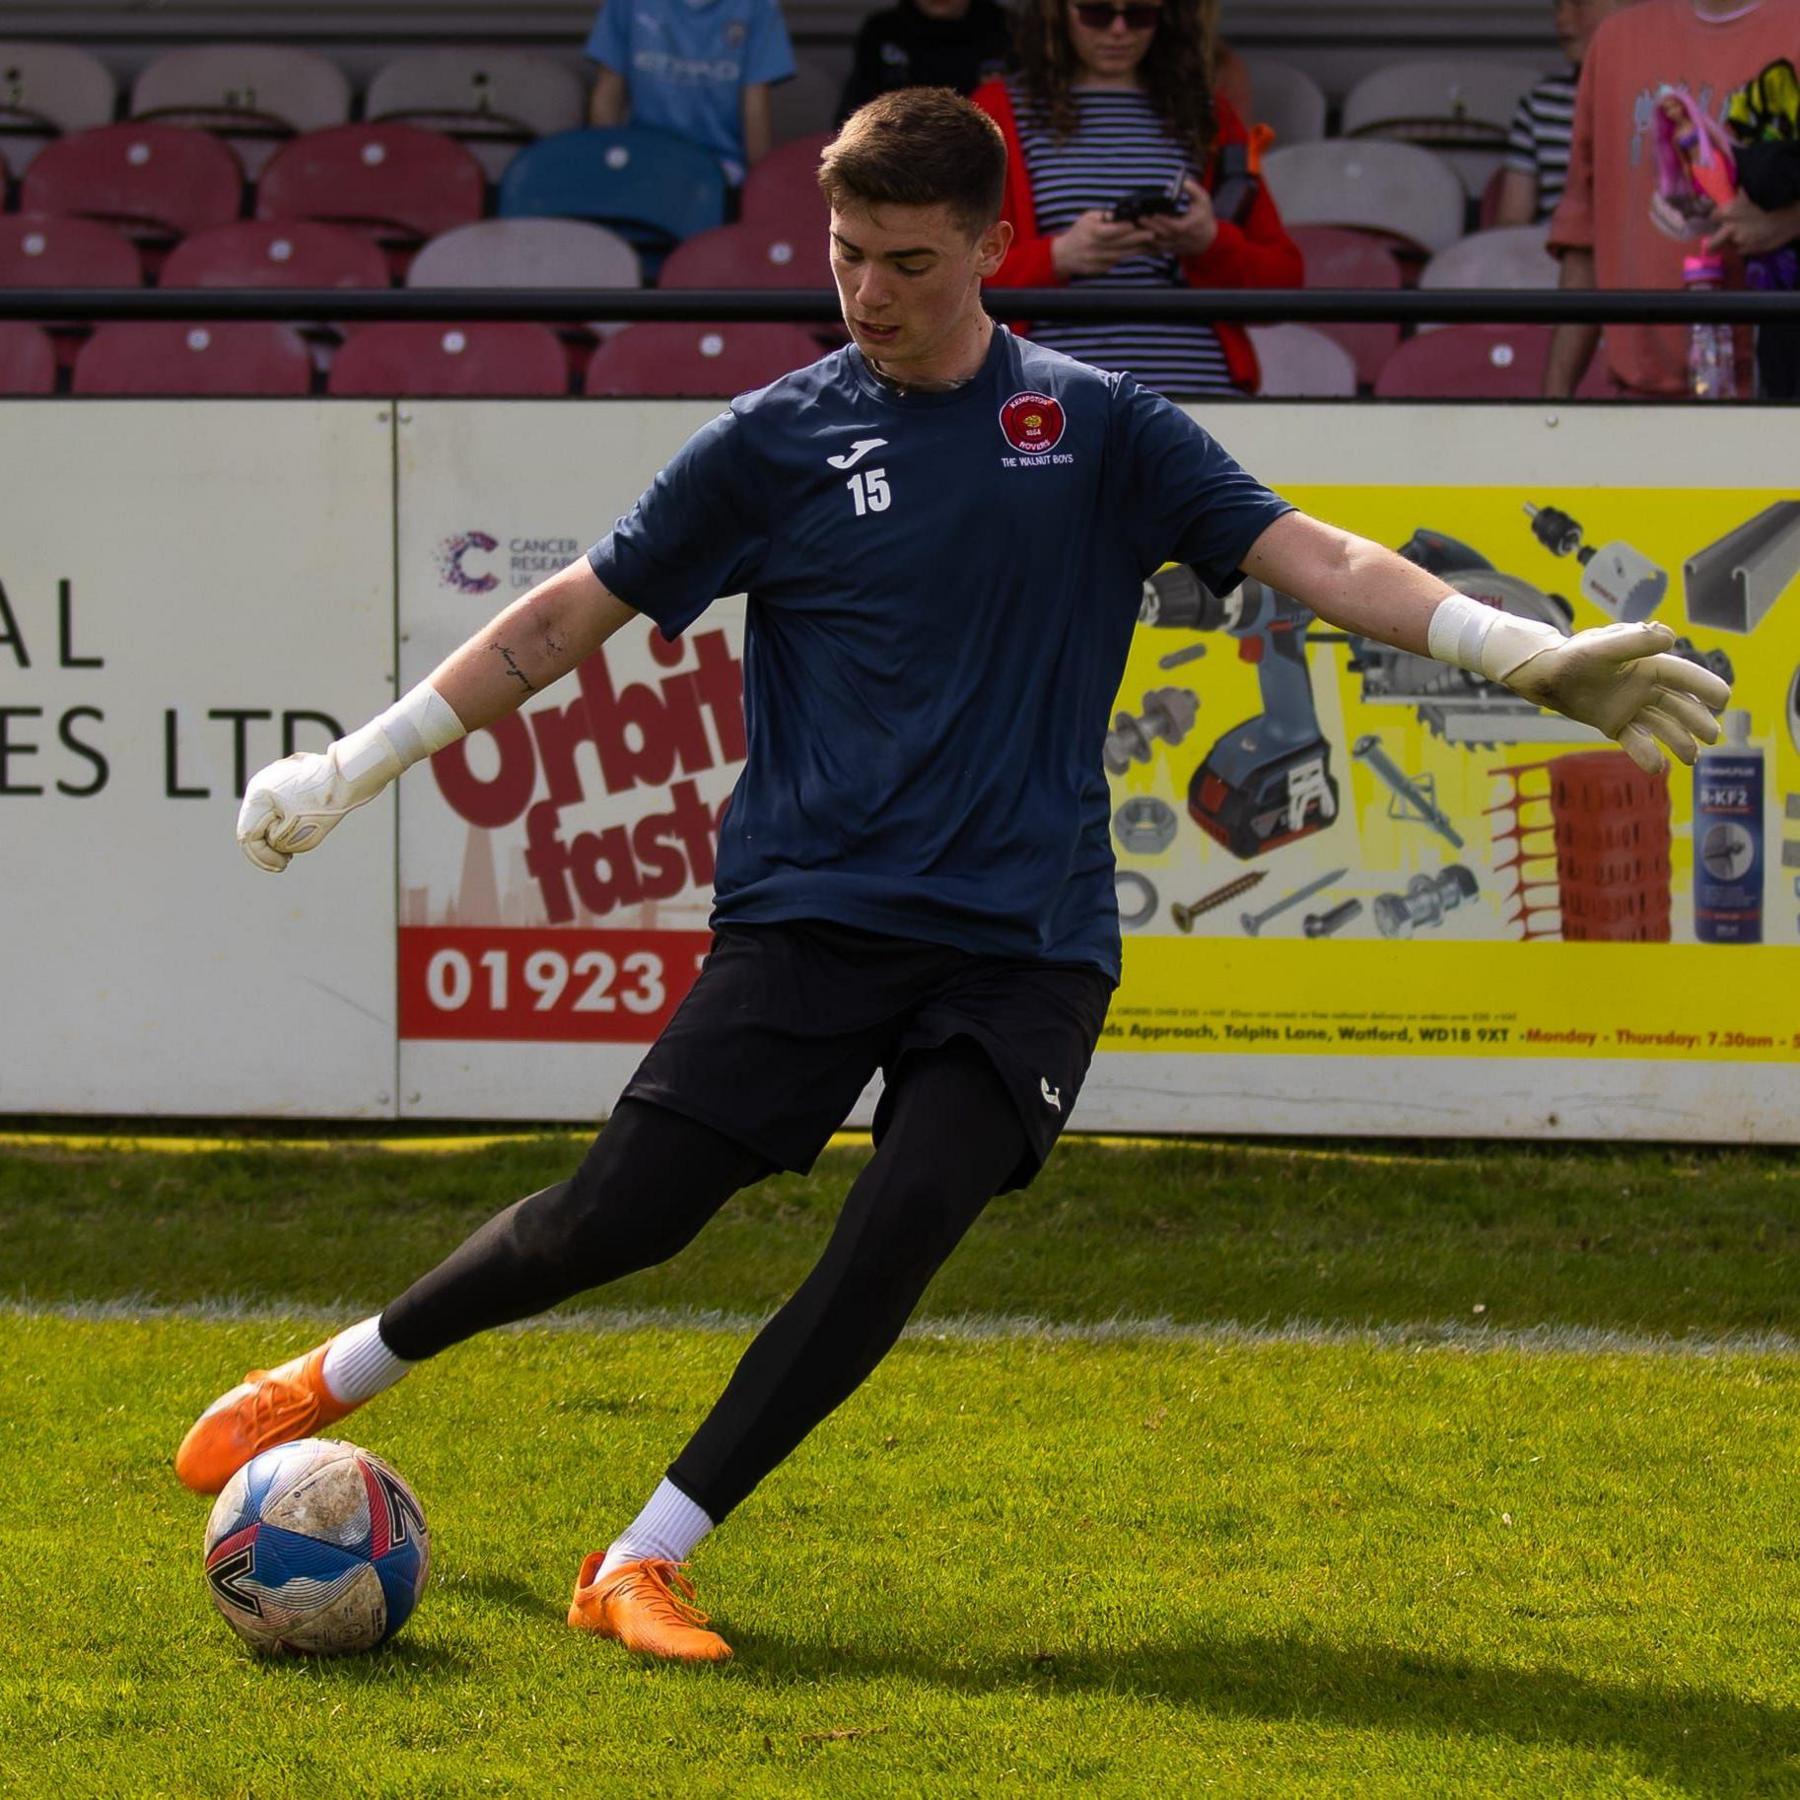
<point x="943" y="531"/>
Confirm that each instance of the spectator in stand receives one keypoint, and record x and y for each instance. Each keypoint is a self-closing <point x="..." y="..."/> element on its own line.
<point x="1113" y="107"/>
<point x="701" y="69"/>
<point x="1602" y="228"/>
<point x="927" y="43"/>
<point x="1537" y="149"/>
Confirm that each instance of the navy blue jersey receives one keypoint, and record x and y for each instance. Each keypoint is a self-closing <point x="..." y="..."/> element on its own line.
<point x="942" y="589"/>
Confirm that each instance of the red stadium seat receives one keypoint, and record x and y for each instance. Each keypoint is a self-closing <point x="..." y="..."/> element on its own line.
<point x="1478" y="362"/>
<point x="1338" y="257"/>
<point x="41" y="250"/>
<point x="396" y="183"/>
<point x="783" y="189"/>
<point x="444" y="361"/>
<point x="155" y="182"/>
<point x="751" y="256"/>
<point x="699" y="361"/>
<point x="173" y="357"/>
<point x="27" y="359"/>
<point x="276" y="253"/>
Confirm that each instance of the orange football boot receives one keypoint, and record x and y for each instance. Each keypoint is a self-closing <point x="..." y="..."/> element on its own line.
<point x="648" y="1606"/>
<point x="268" y="1407"/>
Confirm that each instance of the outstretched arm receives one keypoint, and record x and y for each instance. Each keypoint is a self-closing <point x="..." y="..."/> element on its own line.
<point x="291" y="805"/>
<point x="1620" y="679"/>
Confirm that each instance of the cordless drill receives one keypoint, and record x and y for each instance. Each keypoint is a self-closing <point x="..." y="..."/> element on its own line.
<point x="1268" y="780"/>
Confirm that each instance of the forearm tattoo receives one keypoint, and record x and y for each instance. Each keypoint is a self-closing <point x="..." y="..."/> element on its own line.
<point x="513" y="669"/>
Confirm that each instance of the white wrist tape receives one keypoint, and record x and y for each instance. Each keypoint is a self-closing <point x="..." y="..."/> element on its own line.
<point x="1483" y="639"/>
<point x="418" y="724"/>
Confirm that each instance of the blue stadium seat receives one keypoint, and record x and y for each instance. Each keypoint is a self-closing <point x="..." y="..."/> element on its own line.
<point x="652" y="188"/>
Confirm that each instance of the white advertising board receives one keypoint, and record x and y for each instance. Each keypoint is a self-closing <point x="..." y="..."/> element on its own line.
<point x="187" y="589"/>
<point x="555" y="873"/>
<point x="190" y="589"/>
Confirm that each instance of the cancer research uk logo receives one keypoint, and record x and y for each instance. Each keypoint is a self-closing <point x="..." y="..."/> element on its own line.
<point x="1033" y="425"/>
<point x="528" y="560"/>
<point x="451" y="569"/>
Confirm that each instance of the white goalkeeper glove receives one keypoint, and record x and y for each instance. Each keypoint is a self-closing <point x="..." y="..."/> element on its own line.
<point x="1620" y="679"/>
<point x="292" y="805"/>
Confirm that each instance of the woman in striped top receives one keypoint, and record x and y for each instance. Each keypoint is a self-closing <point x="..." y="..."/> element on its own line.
<point x="1114" y="95"/>
<point x="1537" y="147"/>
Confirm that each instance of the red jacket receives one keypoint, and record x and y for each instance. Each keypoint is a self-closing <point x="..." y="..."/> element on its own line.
<point x="1258" y="253"/>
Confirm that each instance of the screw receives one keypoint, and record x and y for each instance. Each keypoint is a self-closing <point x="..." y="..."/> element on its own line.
<point x="1326" y="923"/>
<point x="1254" y="922"/>
<point x="1184" y="916"/>
<point x="1425" y="902"/>
<point x="1370" y="751"/>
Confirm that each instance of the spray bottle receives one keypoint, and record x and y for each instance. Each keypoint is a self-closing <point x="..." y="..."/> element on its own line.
<point x="1728" y="837"/>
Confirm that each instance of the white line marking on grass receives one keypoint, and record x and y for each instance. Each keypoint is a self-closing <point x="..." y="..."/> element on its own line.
<point x="971" y="1328"/>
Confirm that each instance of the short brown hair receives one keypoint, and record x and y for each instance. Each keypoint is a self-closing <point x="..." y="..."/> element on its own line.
<point x="924" y="146"/>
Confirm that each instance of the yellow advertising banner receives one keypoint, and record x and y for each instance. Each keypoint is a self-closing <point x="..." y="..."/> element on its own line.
<point x="1326" y="846"/>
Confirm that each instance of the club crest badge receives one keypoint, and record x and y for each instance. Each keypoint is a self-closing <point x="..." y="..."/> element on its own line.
<point x="1032" y="423"/>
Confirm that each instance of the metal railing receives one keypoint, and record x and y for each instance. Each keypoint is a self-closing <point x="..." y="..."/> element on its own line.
<point x="1239" y="306"/>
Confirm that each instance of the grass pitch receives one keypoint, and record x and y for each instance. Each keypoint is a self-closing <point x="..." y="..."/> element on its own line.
<point x="1364" y="1540"/>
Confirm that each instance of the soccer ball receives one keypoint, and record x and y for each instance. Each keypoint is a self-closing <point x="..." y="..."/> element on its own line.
<point x="316" y="1548"/>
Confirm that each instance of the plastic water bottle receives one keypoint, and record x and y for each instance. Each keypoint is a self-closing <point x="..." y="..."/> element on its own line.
<point x="1712" y="357"/>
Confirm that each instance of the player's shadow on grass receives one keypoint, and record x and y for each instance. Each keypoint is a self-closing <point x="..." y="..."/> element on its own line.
<point x="1706" y="1742"/>
<point x="515" y="1596"/>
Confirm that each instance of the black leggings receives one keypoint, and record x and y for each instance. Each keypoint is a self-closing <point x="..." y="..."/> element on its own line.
<point x="653" y="1178"/>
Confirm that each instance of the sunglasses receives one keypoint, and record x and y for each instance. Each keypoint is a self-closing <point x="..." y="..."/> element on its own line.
<point x="1098" y="15"/>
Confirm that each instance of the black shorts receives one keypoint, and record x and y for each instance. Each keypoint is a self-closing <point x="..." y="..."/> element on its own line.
<point x="788" y="1022"/>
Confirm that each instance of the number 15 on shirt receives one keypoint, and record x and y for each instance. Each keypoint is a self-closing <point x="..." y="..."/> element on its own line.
<point x="869" y="489"/>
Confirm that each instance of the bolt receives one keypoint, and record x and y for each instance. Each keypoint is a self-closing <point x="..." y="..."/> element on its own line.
<point x="1369" y="750"/>
<point x="1326" y="923"/>
<point x="1169" y="713"/>
<point x="1184" y="916"/>
<point x="1254" y="922"/>
<point x="1426" y="900"/>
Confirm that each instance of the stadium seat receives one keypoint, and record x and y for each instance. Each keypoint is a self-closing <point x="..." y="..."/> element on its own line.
<point x="45" y="250"/>
<point x="806" y="103"/>
<point x="1287" y="100"/>
<point x="493" y="101"/>
<point x="783" y="189"/>
<point x="396" y="183"/>
<point x="255" y="96"/>
<point x="1398" y="188"/>
<point x="1339" y="258"/>
<point x="27" y="359"/>
<point x="671" y="360"/>
<point x="1300" y="361"/>
<point x="1461" y="109"/>
<point x="47" y="91"/>
<point x="750" y="256"/>
<point x="526" y="253"/>
<point x="1513" y="256"/>
<point x="145" y="357"/>
<point x="155" y="182"/>
<point x="1481" y="362"/>
<point x="442" y="361"/>
<point x="276" y="253"/>
<point x="654" y="189"/>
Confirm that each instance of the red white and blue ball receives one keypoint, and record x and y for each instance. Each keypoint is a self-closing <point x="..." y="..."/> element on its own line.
<point x="316" y="1548"/>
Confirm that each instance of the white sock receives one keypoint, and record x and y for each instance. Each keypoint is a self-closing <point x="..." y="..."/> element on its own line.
<point x="669" y="1527"/>
<point x="359" y="1365"/>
